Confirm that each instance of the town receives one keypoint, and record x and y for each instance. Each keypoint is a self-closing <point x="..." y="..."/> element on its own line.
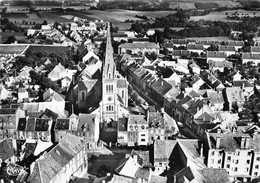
<point x="85" y="102"/>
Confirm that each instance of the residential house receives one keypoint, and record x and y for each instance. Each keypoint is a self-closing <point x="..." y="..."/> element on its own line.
<point x="137" y="130"/>
<point x="158" y="89"/>
<point x="255" y="49"/>
<point x="136" y="48"/>
<point x="219" y="65"/>
<point x="195" y="48"/>
<point x="215" y="99"/>
<point x="90" y="58"/>
<point x="181" y="54"/>
<point x="212" y="81"/>
<point x="57" y="73"/>
<point x="23" y="95"/>
<point x="34" y="128"/>
<point x="235" y="76"/>
<point x="62" y="162"/>
<point x="122" y="133"/>
<point x="170" y="100"/>
<point x="234" y="98"/>
<point x="194" y="67"/>
<point x="9" y="118"/>
<point x="162" y="152"/>
<point x="4" y="93"/>
<point x="247" y="87"/>
<point x="236" y="44"/>
<point x="156" y="126"/>
<point x="196" y="82"/>
<point x="216" y="56"/>
<point x="238" y="153"/>
<point x="250" y="57"/>
<point x="229" y="50"/>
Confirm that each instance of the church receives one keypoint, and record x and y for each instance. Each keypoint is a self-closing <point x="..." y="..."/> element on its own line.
<point x="114" y="90"/>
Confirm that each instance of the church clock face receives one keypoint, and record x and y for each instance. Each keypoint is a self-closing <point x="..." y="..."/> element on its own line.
<point x="109" y="99"/>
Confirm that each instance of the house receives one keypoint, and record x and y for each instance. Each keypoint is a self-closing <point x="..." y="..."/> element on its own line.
<point x="247" y="87"/>
<point x="34" y="128"/>
<point x="137" y="130"/>
<point x="170" y="100"/>
<point x="9" y="118"/>
<point x="122" y="133"/>
<point x="181" y="53"/>
<point x="234" y="98"/>
<point x="255" y="49"/>
<point x="219" y="65"/>
<point x="4" y="93"/>
<point x="238" y="153"/>
<point x="62" y="162"/>
<point x="236" y="44"/>
<point x="212" y="81"/>
<point x="206" y="44"/>
<point x="229" y="50"/>
<point x="90" y="58"/>
<point x="216" y="56"/>
<point x="194" y="67"/>
<point x="136" y="48"/>
<point x="162" y="153"/>
<point x="196" y="82"/>
<point x="57" y="73"/>
<point x="22" y="94"/>
<point x="215" y="100"/>
<point x="158" y="89"/>
<point x="250" y="57"/>
<point x="196" y="48"/>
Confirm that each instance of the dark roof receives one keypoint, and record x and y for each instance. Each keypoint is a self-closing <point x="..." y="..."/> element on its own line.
<point x="226" y="48"/>
<point x="195" y="47"/>
<point x="181" y="53"/>
<point x="137" y="119"/>
<point x="122" y="124"/>
<point x="61" y="155"/>
<point x="86" y="122"/>
<point x="142" y="173"/>
<point x="21" y="124"/>
<point x="30" y="124"/>
<point x="51" y="114"/>
<point x="62" y="124"/>
<point x="161" y="86"/>
<point x="242" y="83"/>
<point x="155" y="119"/>
<point x="29" y="149"/>
<point x="234" y="43"/>
<point x="216" y="54"/>
<point x="250" y="56"/>
<point x="163" y="149"/>
<point x="213" y="174"/>
<point x="6" y="149"/>
<point x="7" y="111"/>
<point x="42" y="124"/>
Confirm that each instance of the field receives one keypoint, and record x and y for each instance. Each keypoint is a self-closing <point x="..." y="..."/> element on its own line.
<point x="5" y="35"/>
<point x="221" y="16"/>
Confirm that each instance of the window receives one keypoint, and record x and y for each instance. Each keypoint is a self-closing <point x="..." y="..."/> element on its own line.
<point x="212" y="153"/>
<point x="235" y="169"/>
<point x="228" y="165"/>
<point x="255" y="173"/>
<point x="238" y="153"/>
<point x="247" y="169"/>
<point x="258" y="159"/>
<point x="123" y="94"/>
<point x="229" y="158"/>
<point x="142" y="140"/>
<point x="247" y="161"/>
<point x="236" y="161"/>
<point x="143" y="135"/>
<point x="219" y="161"/>
<point x="160" y="164"/>
<point x="257" y="166"/>
<point x="212" y="161"/>
<point x="82" y="95"/>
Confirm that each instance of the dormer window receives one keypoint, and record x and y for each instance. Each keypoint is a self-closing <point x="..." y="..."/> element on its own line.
<point x="142" y="127"/>
<point x="131" y="127"/>
<point x="136" y="127"/>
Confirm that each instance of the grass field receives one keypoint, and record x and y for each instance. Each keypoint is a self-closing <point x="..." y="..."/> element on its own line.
<point x="221" y="16"/>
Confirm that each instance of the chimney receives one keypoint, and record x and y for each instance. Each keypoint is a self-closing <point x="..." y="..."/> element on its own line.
<point x="247" y="142"/>
<point x="217" y="142"/>
<point x="242" y="145"/>
<point x="255" y="134"/>
<point x="219" y="131"/>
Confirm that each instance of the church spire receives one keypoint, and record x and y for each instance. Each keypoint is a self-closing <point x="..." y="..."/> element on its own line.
<point x="109" y="65"/>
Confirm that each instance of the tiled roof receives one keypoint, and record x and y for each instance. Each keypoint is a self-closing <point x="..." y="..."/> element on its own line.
<point x="87" y="84"/>
<point x="42" y="124"/>
<point x="29" y="149"/>
<point x="155" y="119"/>
<point x="234" y="94"/>
<point x="255" y="48"/>
<point x="215" y="54"/>
<point x="214" y="174"/>
<point x="189" y="174"/>
<point x="21" y="124"/>
<point x="181" y="53"/>
<point x="122" y="124"/>
<point x="143" y="157"/>
<point x="250" y="56"/>
<point x="139" y="45"/>
<point x="226" y="48"/>
<point x="137" y="119"/>
<point x="172" y="94"/>
<point x="61" y="155"/>
<point x="195" y="47"/>
<point x="30" y="124"/>
<point x="7" y="111"/>
<point x="142" y="173"/>
<point x="121" y="83"/>
<point x="62" y="124"/>
<point x="86" y="122"/>
<point x="242" y="83"/>
<point x="221" y="64"/>
<point x="163" y="149"/>
<point x="161" y="86"/>
<point x="234" y="43"/>
<point x="158" y="179"/>
<point x="6" y="149"/>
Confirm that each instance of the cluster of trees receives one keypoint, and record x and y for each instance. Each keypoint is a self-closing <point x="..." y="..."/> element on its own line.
<point x="200" y="28"/>
<point x="9" y="26"/>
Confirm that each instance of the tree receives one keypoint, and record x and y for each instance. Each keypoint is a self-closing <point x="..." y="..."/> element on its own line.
<point x="4" y="10"/>
<point x="45" y="22"/>
<point x="10" y="39"/>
